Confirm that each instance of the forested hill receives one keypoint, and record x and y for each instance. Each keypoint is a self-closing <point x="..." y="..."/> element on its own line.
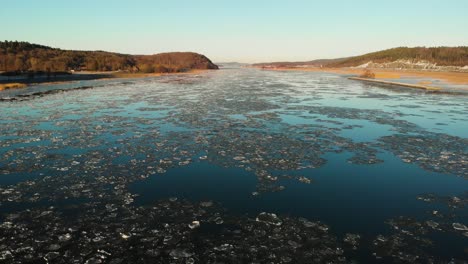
<point x="27" y="57"/>
<point x="286" y="64"/>
<point x="442" y="56"/>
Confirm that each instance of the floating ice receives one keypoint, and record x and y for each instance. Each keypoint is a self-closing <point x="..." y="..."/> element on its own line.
<point x="269" y="218"/>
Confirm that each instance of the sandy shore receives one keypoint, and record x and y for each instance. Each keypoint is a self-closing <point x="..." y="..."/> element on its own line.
<point x="456" y="78"/>
<point x="399" y="84"/>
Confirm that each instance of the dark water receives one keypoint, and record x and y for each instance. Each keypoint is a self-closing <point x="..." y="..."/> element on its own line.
<point x="353" y="156"/>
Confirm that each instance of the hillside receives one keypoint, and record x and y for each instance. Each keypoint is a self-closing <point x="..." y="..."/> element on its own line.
<point x="26" y="57"/>
<point x="313" y="63"/>
<point x="450" y="58"/>
<point x="174" y="61"/>
<point x="441" y="56"/>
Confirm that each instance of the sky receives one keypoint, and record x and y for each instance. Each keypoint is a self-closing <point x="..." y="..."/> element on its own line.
<point x="237" y="30"/>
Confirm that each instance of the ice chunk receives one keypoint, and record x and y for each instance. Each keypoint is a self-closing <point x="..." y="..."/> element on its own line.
<point x="269" y="218"/>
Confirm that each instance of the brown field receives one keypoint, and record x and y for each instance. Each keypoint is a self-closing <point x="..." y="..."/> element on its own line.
<point x="448" y="77"/>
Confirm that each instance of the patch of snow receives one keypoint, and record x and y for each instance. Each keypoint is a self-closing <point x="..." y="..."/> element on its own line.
<point x="365" y="65"/>
<point x="411" y="64"/>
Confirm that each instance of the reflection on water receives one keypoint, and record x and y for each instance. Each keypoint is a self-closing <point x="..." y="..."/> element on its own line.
<point x="385" y="170"/>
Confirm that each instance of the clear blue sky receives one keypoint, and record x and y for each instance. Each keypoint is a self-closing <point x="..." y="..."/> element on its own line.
<point x="237" y="30"/>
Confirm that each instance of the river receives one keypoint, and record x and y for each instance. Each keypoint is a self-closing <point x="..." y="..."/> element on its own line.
<point x="383" y="168"/>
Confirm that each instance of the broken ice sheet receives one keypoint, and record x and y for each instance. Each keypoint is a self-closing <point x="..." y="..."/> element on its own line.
<point x="434" y="152"/>
<point x="82" y="150"/>
<point x="94" y="235"/>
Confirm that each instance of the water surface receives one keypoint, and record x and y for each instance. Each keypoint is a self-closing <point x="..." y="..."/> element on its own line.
<point x="298" y="144"/>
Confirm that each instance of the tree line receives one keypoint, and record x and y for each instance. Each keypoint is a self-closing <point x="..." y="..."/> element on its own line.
<point x="21" y="57"/>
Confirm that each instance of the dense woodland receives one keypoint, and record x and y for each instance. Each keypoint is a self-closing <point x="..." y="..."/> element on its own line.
<point x="173" y="62"/>
<point x="23" y="57"/>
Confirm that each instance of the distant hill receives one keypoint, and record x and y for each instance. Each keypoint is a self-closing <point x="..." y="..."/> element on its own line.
<point x="397" y="57"/>
<point x="442" y="56"/>
<point x="26" y="57"/>
<point x="313" y="63"/>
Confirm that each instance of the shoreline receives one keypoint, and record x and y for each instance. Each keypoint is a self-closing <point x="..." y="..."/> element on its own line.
<point x="414" y="86"/>
<point x="17" y="83"/>
<point x="451" y="78"/>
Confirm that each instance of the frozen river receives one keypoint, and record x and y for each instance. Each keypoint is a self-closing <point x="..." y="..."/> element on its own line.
<point x="192" y="169"/>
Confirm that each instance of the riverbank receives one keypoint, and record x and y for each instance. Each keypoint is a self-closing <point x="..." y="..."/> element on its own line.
<point x="414" y="86"/>
<point x="23" y="82"/>
<point x="427" y="77"/>
<point x="128" y="75"/>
